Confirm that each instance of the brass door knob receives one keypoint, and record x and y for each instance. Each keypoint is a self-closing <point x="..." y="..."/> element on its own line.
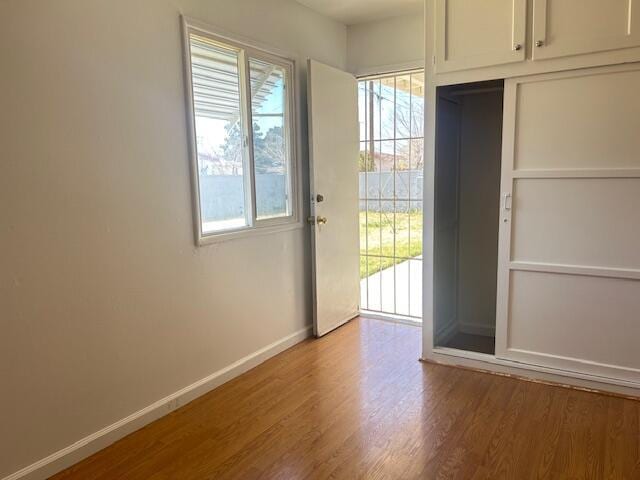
<point x="318" y="220"/>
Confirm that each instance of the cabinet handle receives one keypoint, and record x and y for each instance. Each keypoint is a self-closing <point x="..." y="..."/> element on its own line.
<point x="539" y="43"/>
<point x="517" y="47"/>
<point x="506" y="201"/>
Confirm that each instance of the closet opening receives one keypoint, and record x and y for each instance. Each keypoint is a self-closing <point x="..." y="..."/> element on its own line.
<point x="467" y="214"/>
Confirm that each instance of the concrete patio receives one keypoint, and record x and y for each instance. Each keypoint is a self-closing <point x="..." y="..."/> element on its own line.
<point x="377" y="290"/>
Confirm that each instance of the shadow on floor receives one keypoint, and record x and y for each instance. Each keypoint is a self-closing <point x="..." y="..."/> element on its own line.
<point x="473" y="343"/>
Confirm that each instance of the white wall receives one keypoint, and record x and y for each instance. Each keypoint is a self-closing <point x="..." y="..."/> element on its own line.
<point x="106" y="305"/>
<point x="386" y="45"/>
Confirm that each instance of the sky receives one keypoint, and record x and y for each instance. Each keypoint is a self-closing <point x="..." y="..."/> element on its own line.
<point x="212" y="131"/>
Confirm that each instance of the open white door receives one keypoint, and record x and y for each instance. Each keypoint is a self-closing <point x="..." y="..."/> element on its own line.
<point x="333" y="155"/>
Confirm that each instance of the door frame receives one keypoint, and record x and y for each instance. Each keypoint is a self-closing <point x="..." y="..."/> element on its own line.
<point x="393" y="70"/>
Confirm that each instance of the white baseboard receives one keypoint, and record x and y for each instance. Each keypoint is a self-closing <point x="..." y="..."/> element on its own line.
<point x="91" y="444"/>
<point x="489" y="363"/>
<point x="475" y="329"/>
<point x="388" y="317"/>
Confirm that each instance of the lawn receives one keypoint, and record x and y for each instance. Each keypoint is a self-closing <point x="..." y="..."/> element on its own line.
<point x="378" y="230"/>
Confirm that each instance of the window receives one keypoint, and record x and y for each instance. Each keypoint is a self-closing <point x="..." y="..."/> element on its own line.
<point x="243" y="155"/>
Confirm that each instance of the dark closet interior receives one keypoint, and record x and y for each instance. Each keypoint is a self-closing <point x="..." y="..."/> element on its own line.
<point x="467" y="211"/>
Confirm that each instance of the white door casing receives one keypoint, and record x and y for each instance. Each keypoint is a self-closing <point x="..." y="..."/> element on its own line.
<point x="569" y="269"/>
<point x="333" y="155"/>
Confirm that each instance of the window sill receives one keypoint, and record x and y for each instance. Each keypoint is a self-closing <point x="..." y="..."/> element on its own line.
<point x="248" y="232"/>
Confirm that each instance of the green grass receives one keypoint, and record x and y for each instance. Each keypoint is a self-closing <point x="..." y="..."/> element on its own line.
<point x="378" y="230"/>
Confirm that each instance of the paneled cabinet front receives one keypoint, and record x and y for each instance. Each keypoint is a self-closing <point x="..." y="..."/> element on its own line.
<point x="572" y="27"/>
<point x="479" y="34"/>
<point x="569" y="263"/>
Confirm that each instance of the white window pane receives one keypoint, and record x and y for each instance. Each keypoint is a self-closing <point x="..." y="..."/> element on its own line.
<point x="219" y="133"/>
<point x="270" y="139"/>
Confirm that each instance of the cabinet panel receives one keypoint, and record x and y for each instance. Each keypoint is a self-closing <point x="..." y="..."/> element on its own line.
<point x="575" y="322"/>
<point x="477" y="34"/>
<point x="572" y="27"/>
<point x="576" y="221"/>
<point x="569" y="267"/>
<point x="578" y="121"/>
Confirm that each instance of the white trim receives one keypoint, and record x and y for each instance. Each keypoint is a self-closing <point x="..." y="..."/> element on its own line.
<point x="389" y="317"/>
<point x="232" y="37"/>
<point x="456" y="352"/>
<point x="90" y="444"/>
<point x="577" y="173"/>
<point x="490" y="363"/>
<point x="389" y="69"/>
<point x="509" y="116"/>
<point x="579" y="365"/>
<point x="608" y="272"/>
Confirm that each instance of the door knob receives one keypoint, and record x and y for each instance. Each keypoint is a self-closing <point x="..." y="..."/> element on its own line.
<point x="318" y="220"/>
<point x="539" y="43"/>
<point x="517" y="46"/>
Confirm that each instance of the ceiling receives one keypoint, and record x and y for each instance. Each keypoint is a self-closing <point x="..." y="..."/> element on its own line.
<point x="351" y="12"/>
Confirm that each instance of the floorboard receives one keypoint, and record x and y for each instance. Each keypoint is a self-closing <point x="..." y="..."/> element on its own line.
<point x="358" y="404"/>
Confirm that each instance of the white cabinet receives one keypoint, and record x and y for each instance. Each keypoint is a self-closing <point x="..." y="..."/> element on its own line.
<point x="572" y="27"/>
<point x="569" y="264"/>
<point x="478" y="34"/>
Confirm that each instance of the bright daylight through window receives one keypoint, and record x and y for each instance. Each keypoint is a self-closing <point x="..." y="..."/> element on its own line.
<point x="391" y="112"/>
<point x="241" y="94"/>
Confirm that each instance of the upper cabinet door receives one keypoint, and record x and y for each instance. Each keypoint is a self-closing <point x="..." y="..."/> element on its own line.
<point x="572" y="27"/>
<point x="478" y="34"/>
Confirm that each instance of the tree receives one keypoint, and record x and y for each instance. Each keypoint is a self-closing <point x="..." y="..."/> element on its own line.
<point x="366" y="162"/>
<point x="232" y="147"/>
<point x="268" y="150"/>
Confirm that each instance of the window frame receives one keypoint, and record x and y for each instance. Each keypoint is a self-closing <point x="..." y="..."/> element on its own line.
<point x="246" y="50"/>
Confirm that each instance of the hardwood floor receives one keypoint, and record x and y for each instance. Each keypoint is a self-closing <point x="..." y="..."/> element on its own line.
<point x="358" y="404"/>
